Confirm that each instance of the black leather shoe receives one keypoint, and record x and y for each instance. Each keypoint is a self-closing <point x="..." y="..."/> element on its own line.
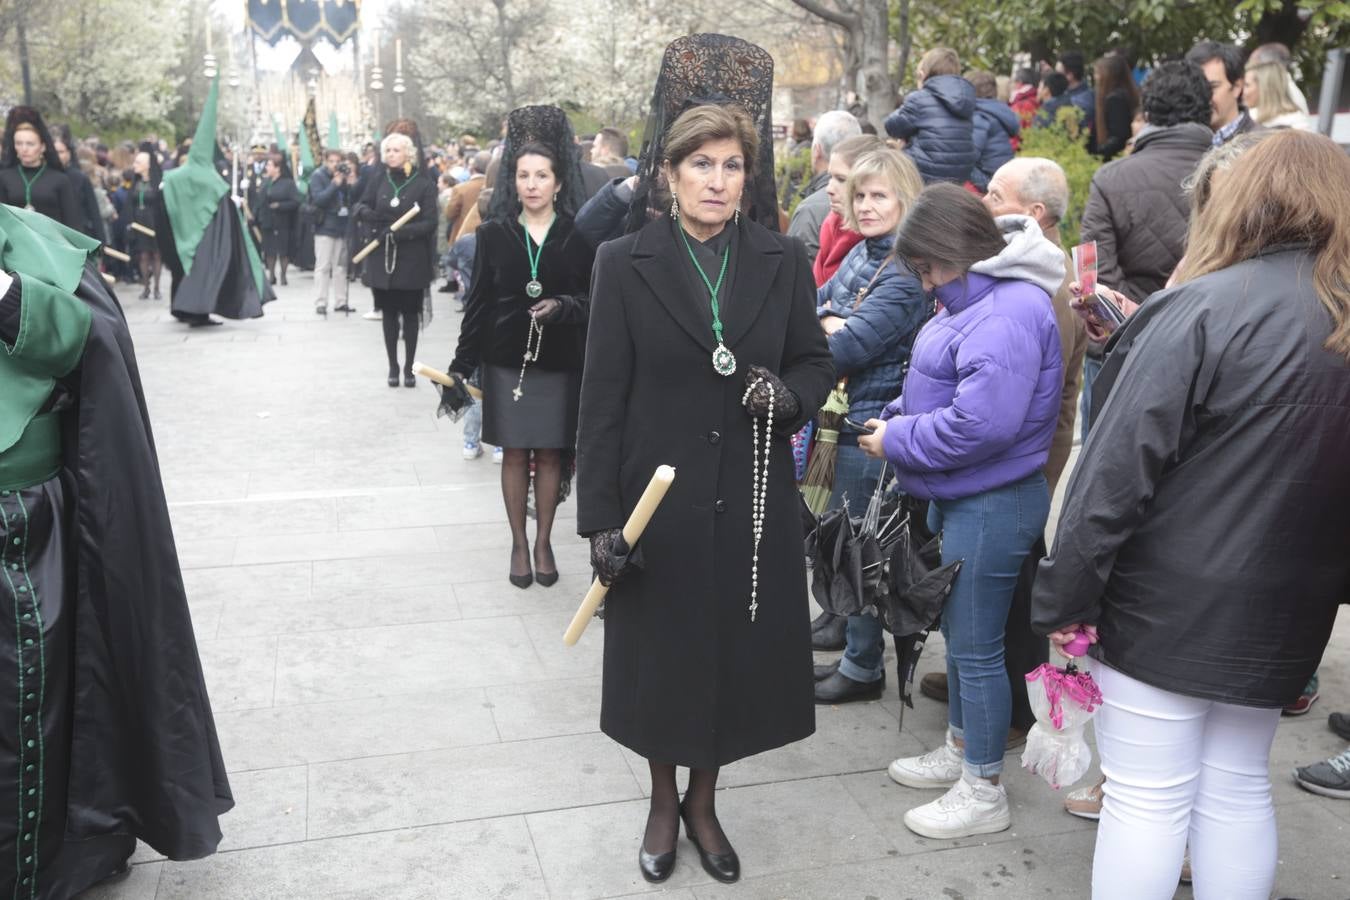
<point x="546" y="579"/>
<point x="831" y="636"/>
<point x="409" y="380"/>
<point x="823" y="672"/>
<point x="393" y="381"/>
<point x="839" y="688"/>
<point x="725" y="867"/>
<point x="522" y="581"/>
<point x="656" y="867"/>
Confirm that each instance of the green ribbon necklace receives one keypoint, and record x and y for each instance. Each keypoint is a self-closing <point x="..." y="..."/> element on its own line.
<point x="28" y="186"/>
<point x="723" y="360"/>
<point x="532" y="287"/>
<point x="398" y="188"/>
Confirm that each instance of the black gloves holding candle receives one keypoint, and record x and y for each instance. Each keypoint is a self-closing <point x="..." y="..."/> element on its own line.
<point x="611" y="557"/>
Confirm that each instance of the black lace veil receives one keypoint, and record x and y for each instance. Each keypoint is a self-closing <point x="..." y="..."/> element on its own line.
<point x="27" y="115"/>
<point x="699" y="69"/>
<point x="545" y="125"/>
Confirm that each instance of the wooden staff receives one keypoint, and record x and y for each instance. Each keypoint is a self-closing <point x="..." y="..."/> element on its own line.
<point x="637" y="523"/>
<point x="375" y="244"/>
<point x="440" y="377"/>
<point x="115" y="254"/>
<point x="148" y="232"/>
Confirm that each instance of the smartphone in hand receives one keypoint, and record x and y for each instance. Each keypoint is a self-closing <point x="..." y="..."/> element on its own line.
<point x="858" y="426"/>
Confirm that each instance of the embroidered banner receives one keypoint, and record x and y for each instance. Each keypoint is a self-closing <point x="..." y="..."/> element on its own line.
<point x="305" y="20"/>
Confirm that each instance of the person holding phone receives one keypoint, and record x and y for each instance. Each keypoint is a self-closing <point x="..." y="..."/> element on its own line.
<point x="871" y="310"/>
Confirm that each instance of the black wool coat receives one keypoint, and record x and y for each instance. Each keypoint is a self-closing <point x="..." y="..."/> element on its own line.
<point x="1205" y="529"/>
<point x="688" y="678"/>
<point x="413" y="257"/>
<point x="497" y="309"/>
<point x="278" y="222"/>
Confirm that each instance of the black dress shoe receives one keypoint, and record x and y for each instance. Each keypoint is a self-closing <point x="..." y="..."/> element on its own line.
<point x="393" y="380"/>
<point x="823" y="672"/>
<point x="546" y="579"/>
<point x="839" y="688"/>
<point x="725" y="867"/>
<point x="656" y="867"/>
<point x="409" y="379"/>
<point x="522" y="581"/>
<point x="832" y="636"/>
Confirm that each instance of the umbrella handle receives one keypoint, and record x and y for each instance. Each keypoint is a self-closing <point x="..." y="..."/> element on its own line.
<point x="1079" y="645"/>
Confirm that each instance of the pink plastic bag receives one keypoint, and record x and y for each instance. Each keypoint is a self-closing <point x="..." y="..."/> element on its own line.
<point x="1064" y="701"/>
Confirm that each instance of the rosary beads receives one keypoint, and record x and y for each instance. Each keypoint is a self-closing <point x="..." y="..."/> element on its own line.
<point x="534" y="339"/>
<point x="760" y="490"/>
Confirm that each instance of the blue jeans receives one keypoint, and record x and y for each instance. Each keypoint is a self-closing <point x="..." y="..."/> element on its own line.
<point x="992" y="532"/>
<point x="1090" y="369"/>
<point x="856" y="474"/>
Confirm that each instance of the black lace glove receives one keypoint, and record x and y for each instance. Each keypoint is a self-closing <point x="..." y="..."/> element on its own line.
<point x="757" y="382"/>
<point x="612" y="558"/>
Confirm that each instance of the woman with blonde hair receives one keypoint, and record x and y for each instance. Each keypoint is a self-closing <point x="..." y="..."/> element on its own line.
<point x="1267" y="90"/>
<point x="870" y="309"/>
<point x="1202" y="543"/>
<point x="400" y="271"/>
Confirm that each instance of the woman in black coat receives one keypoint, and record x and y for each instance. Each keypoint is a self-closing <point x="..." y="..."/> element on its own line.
<point x="31" y="174"/>
<point x="277" y="208"/>
<point x="1203" y="539"/>
<point x="525" y="324"/>
<point x="1116" y="106"/>
<point x="145" y="212"/>
<point x="400" y="271"/>
<point x="707" y="645"/>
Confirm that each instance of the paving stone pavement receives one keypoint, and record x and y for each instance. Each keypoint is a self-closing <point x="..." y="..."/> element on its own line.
<point x="399" y="722"/>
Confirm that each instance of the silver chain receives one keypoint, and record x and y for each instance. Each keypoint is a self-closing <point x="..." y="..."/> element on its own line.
<point x="760" y="490"/>
<point x="390" y="245"/>
<point x="535" y="338"/>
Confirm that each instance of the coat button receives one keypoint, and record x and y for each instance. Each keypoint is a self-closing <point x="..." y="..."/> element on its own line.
<point x="720" y="506"/>
<point x="714" y="437"/>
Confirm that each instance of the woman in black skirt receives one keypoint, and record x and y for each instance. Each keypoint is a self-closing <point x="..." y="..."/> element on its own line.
<point x="144" y="193"/>
<point x="277" y="209"/>
<point x="402" y="269"/>
<point x="525" y="323"/>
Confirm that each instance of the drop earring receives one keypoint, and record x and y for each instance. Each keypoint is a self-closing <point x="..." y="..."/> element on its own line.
<point x="674" y="207"/>
<point x="738" y="215"/>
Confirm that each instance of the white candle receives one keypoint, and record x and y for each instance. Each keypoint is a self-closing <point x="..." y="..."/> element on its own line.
<point x="398" y="55"/>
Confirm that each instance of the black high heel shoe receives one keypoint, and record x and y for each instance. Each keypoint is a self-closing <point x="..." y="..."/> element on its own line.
<point x="725" y="867"/>
<point x="655" y="867"/>
<point x="409" y="379"/>
<point x="546" y="579"/>
<point x="393" y="377"/>
<point x="521" y="581"/>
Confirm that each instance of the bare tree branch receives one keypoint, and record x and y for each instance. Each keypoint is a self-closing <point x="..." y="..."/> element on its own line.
<point x="833" y="16"/>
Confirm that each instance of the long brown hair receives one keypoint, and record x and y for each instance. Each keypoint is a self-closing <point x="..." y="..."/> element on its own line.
<point x="1112" y="73"/>
<point x="1294" y="186"/>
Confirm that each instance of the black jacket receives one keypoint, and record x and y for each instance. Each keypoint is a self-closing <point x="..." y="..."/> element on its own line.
<point x="937" y="121"/>
<point x="1137" y="212"/>
<point x="52" y="192"/>
<point x="496" y="309"/>
<point x="688" y="679"/>
<point x="1119" y="125"/>
<point x="412" y="257"/>
<point x="330" y="200"/>
<point x="1205" y="530"/>
<point x="91" y="221"/>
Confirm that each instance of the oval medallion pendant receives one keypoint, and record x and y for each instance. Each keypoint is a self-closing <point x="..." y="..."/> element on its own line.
<point x="723" y="360"/>
<point x="394" y="203"/>
<point x="533" y="288"/>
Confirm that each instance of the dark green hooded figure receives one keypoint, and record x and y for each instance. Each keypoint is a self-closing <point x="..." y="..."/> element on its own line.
<point x="214" y="266"/>
<point x="106" y="732"/>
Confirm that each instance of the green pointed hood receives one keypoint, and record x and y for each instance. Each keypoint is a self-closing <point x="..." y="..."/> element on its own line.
<point x="306" y="163"/>
<point x="193" y="190"/>
<point x="334" y="139"/>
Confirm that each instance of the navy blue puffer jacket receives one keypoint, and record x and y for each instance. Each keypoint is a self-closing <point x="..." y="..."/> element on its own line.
<point x="995" y="127"/>
<point x="937" y="124"/>
<point x="872" y="348"/>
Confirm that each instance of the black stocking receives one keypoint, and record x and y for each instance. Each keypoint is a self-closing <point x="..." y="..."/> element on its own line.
<point x="285" y="264"/>
<point x="146" y="266"/>
<point x="700" y="805"/>
<point x="663" y="816"/>
<point x="410" y="323"/>
<point x="270" y="261"/>
<point x="156" y="266"/>
<point x="390" y="323"/>
<point x="515" y="485"/>
<point x="547" y="481"/>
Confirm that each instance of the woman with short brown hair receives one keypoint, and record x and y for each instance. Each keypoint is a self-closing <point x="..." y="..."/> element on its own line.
<point x="1202" y="543"/>
<point x="704" y="353"/>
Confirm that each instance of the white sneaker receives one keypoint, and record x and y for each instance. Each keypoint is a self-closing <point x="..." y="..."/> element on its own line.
<point x="374" y="315"/>
<point x="973" y="806"/>
<point x="497" y="455"/>
<point x="936" y="769"/>
<point x="472" y="449"/>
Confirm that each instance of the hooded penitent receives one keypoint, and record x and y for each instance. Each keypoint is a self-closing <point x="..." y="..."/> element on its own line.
<point x="215" y="267"/>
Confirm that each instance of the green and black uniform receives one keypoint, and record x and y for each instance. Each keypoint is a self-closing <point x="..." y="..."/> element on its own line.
<point x="106" y="733"/>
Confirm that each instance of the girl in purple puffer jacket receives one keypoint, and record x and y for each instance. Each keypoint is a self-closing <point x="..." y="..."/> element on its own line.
<point x="971" y="434"/>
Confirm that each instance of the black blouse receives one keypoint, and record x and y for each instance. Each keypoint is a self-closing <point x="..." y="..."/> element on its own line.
<point x="50" y="190"/>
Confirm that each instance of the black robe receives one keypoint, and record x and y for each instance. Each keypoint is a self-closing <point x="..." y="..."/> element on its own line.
<point x="126" y="740"/>
<point x="688" y="678"/>
<point x="53" y="194"/>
